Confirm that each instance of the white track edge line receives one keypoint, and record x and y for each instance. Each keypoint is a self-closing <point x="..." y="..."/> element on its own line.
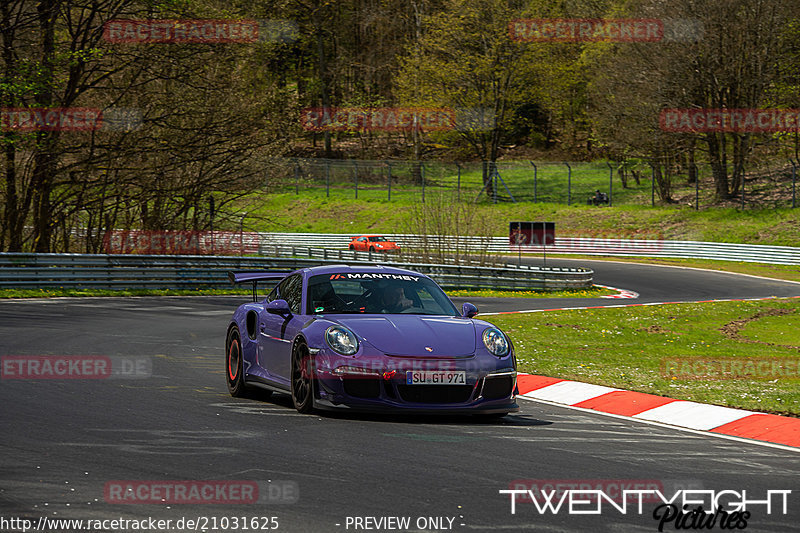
<point x="758" y="299"/>
<point x="684" y="267"/>
<point x="670" y="426"/>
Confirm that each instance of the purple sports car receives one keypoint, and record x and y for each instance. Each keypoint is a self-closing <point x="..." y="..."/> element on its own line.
<point x="368" y="338"/>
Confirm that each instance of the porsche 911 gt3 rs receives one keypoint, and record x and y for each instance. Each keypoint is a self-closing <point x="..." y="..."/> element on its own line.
<point x="368" y="338"/>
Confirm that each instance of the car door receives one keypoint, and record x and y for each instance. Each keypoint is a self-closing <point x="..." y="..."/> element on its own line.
<point x="276" y="332"/>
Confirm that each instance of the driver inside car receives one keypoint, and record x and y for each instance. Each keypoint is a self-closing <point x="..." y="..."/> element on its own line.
<point x="394" y="299"/>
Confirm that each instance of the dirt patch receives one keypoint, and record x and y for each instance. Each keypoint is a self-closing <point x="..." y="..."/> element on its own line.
<point x="732" y="329"/>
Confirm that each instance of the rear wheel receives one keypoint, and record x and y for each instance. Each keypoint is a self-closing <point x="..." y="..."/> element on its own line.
<point x="302" y="378"/>
<point x="352" y="247"/>
<point x="233" y="364"/>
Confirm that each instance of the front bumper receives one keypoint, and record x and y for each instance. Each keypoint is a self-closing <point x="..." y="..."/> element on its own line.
<point x="490" y="387"/>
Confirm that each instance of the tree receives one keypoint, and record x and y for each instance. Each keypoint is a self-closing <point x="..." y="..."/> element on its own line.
<point x="734" y="63"/>
<point x="210" y="116"/>
<point x="466" y="60"/>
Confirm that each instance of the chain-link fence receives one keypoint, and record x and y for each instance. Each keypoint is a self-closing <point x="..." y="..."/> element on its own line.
<point x="603" y="183"/>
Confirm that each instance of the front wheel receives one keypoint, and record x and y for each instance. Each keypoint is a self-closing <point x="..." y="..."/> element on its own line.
<point x="302" y="379"/>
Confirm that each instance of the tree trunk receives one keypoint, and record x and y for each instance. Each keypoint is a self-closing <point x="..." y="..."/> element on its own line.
<point x="719" y="167"/>
<point x="44" y="158"/>
<point x="13" y="222"/>
<point x="693" y="177"/>
<point x="740" y="150"/>
<point x="322" y="71"/>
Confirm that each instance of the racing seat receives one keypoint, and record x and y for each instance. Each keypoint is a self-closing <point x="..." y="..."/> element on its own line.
<point x="323" y="295"/>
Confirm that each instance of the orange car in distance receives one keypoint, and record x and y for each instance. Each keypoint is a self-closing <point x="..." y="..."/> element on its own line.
<point x="373" y="243"/>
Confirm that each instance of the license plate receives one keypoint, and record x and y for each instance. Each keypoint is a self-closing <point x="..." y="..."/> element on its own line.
<point x="436" y="377"/>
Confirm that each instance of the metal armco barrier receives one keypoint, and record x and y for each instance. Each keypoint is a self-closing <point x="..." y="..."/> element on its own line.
<point x="22" y="270"/>
<point x="753" y="253"/>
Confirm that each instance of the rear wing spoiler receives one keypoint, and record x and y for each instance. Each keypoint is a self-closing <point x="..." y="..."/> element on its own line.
<point x="254" y="277"/>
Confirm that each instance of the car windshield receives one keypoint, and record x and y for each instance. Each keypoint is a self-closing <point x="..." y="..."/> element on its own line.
<point x="377" y="239"/>
<point x="356" y="292"/>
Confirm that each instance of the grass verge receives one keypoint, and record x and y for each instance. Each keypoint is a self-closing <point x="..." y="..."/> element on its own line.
<point x="308" y="213"/>
<point x="628" y="348"/>
<point x="594" y="292"/>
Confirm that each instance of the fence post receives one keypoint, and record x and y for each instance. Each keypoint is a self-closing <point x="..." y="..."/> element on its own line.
<point x="296" y="177"/>
<point x="794" y="182"/>
<point x="355" y="172"/>
<point x="535" y="172"/>
<point x="696" y="187"/>
<point x="327" y="178"/>
<point x="743" y="174"/>
<point x="211" y="220"/>
<point x="610" y="184"/>
<point x="652" y="184"/>
<point x="569" y="183"/>
<point x="458" y="183"/>
<point x="422" y="176"/>
<point x="494" y="181"/>
<point x="389" y="180"/>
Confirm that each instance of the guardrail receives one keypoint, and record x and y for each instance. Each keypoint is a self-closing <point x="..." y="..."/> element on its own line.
<point x="753" y="253"/>
<point x="22" y="270"/>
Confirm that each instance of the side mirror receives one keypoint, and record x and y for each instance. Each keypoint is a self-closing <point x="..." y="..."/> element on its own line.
<point x="468" y="310"/>
<point x="278" y="307"/>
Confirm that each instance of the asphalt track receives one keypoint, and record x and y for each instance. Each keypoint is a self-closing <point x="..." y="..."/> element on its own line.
<point x="63" y="441"/>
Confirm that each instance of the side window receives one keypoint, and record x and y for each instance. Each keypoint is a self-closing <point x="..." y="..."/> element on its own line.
<point x="291" y="290"/>
<point x="273" y="295"/>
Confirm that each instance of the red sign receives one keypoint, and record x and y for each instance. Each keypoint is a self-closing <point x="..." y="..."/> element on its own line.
<point x="532" y="233"/>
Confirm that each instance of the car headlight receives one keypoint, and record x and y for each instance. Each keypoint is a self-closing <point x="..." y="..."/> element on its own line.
<point x="341" y="340"/>
<point x="496" y="342"/>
